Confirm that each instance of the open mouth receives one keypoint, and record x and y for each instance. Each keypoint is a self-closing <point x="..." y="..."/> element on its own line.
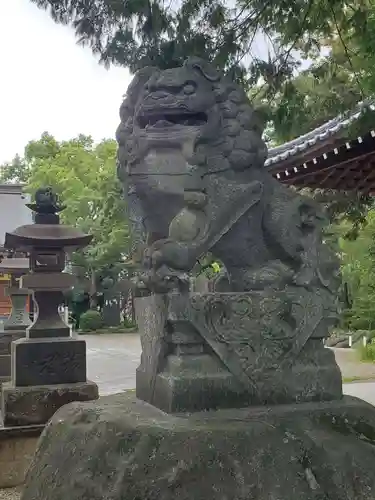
<point x="162" y="120"/>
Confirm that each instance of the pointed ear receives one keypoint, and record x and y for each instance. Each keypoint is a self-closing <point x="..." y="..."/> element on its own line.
<point x="205" y="68"/>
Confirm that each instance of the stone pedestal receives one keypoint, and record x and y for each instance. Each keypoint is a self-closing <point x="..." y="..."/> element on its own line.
<point x="48" y="366"/>
<point x="14" y="327"/>
<point x="120" y="447"/>
<point x="187" y="365"/>
<point x="48" y="361"/>
<point x="178" y="387"/>
<point x="47" y="373"/>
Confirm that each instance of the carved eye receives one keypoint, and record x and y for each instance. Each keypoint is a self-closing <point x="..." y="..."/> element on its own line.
<point x="189" y="88"/>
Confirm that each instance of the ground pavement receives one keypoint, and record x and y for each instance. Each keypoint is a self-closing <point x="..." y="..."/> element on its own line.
<point x="112" y="361"/>
<point x="352" y="369"/>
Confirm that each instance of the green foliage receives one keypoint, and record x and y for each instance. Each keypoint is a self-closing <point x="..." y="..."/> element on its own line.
<point x="358" y="270"/>
<point x="137" y="33"/>
<point x="129" y="324"/>
<point x="339" y="77"/>
<point x="310" y="98"/>
<point x="16" y="171"/>
<point x="367" y="352"/>
<point x="84" y="176"/>
<point x="341" y="73"/>
<point x="91" y="321"/>
<point x="208" y="266"/>
<point x="347" y="210"/>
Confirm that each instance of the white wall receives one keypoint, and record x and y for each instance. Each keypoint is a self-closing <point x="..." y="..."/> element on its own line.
<point x="13" y="210"/>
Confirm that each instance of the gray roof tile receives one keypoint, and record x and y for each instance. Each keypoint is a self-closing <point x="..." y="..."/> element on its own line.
<point x="320" y="134"/>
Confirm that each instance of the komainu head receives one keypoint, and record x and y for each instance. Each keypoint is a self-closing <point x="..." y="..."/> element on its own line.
<point x="194" y="108"/>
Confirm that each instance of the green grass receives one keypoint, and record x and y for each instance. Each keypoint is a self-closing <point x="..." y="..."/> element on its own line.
<point x="367" y="353"/>
<point x="348" y="380"/>
<point x="109" y="330"/>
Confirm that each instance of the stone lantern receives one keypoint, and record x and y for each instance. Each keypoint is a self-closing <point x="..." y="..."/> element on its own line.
<point x="16" y="324"/>
<point x="48" y="366"/>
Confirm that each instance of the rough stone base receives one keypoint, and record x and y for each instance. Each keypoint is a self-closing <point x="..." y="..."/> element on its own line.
<point x="121" y="448"/>
<point x="36" y="405"/>
<point x="17" y="448"/>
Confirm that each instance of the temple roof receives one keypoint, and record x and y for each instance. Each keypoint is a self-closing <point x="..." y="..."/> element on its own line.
<point x="327" y="158"/>
<point x="318" y="137"/>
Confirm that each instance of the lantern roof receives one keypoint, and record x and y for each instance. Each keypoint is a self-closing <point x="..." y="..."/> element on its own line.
<point x="47" y="232"/>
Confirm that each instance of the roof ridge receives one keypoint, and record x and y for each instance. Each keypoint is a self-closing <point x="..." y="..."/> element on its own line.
<point x="320" y="133"/>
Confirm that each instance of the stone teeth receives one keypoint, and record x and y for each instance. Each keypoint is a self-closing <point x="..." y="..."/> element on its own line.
<point x="162" y="123"/>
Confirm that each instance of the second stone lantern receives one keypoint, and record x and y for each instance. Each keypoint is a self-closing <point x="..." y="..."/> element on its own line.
<point x="16" y="324"/>
<point x="48" y="366"/>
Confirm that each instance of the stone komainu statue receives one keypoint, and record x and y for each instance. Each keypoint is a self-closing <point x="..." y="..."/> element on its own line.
<point x="191" y="159"/>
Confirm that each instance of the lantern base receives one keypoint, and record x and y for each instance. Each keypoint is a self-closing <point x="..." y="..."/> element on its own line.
<point x="6" y="339"/>
<point x="46" y="361"/>
<point x="23" y="406"/>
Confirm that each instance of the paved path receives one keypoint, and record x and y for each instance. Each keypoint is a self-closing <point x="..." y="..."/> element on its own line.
<point x="362" y="390"/>
<point x="113" y="359"/>
<point x="351" y="367"/>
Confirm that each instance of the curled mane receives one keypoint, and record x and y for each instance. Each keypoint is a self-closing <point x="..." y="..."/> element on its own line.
<point x="240" y="141"/>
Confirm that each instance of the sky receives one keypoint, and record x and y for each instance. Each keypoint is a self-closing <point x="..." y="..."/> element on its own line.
<point x="49" y="83"/>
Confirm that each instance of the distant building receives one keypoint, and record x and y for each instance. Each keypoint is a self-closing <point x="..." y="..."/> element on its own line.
<point x="13" y="213"/>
